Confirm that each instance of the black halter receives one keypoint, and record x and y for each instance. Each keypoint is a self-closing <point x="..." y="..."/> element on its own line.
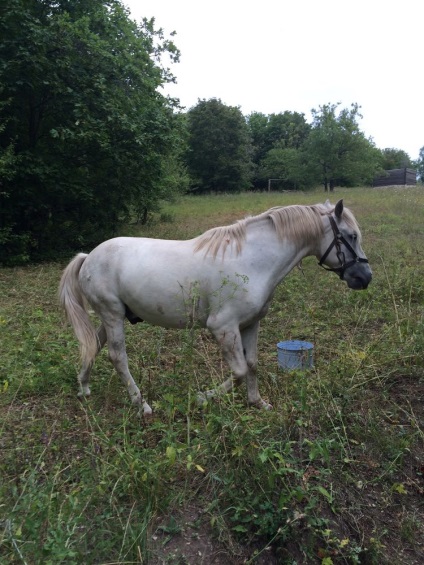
<point x="337" y="241"/>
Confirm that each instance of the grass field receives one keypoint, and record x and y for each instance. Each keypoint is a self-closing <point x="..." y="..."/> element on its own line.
<point x="334" y="474"/>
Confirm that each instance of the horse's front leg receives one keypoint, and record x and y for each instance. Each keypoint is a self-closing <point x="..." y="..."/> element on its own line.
<point x="249" y="337"/>
<point x="233" y="348"/>
<point x="229" y="340"/>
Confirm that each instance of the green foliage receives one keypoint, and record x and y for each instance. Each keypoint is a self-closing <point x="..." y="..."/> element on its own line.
<point x="70" y="511"/>
<point x="332" y="150"/>
<point x="262" y="478"/>
<point x="338" y="152"/>
<point x="288" y="129"/>
<point x="420" y="164"/>
<point x="218" y="154"/>
<point x="85" y="133"/>
<point x="258" y="124"/>
<point x="277" y="142"/>
<point x="395" y="159"/>
<point x="287" y="165"/>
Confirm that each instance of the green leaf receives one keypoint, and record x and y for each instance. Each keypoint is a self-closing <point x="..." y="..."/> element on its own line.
<point x="171" y="454"/>
<point x="325" y="493"/>
<point x="240" y="528"/>
<point x="399" y="488"/>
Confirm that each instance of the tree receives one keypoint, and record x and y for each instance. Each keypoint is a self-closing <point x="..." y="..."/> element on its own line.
<point x="420" y="164"/>
<point x="395" y="159"/>
<point x="258" y="124"/>
<point x="284" y="131"/>
<point x="219" y="151"/>
<point x="85" y="132"/>
<point x="287" y="129"/>
<point x="338" y="152"/>
<point x="288" y="165"/>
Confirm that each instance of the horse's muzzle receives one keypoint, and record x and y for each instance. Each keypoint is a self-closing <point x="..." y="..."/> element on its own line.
<point x="358" y="276"/>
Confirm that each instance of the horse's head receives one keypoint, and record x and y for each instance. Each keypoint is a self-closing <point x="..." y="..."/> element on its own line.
<point x="341" y="249"/>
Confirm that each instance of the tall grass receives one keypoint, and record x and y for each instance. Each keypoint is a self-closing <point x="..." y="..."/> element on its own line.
<point x="333" y="475"/>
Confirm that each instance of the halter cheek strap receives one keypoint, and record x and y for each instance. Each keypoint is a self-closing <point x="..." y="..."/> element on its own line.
<point x="337" y="241"/>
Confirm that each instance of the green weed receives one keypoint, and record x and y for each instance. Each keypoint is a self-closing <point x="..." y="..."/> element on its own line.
<point x="332" y="475"/>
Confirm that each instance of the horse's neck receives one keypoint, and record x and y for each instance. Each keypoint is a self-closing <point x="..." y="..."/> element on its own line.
<point x="279" y="256"/>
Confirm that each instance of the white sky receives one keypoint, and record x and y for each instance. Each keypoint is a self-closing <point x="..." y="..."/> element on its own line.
<point x="270" y="56"/>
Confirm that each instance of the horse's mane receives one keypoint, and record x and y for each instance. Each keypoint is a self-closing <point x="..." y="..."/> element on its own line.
<point x="296" y="223"/>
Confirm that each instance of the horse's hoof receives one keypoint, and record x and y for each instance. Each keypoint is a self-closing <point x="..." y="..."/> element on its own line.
<point x="147" y="417"/>
<point x="262" y="405"/>
<point x="147" y="411"/>
<point x="201" y="399"/>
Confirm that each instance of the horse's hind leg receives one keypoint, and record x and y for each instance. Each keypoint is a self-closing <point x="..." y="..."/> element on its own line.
<point x="118" y="356"/>
<point x="84" y="375"/>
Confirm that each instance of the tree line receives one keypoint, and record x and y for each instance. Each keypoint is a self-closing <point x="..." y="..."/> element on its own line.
<point x="88" y="140"/>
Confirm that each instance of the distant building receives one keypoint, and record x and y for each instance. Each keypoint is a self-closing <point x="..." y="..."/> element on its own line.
<point x="397" y="177"/>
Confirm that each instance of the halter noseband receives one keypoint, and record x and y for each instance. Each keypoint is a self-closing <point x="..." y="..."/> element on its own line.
<point x="337" y="241"/>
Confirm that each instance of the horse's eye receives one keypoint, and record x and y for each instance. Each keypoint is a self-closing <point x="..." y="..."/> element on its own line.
<point x="354" y="236"/>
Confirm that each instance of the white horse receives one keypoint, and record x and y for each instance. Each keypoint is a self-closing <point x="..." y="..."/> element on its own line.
<point x="223" y="280"/>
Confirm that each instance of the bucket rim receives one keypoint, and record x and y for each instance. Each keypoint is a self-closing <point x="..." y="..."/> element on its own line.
<point x="295" y="345"/>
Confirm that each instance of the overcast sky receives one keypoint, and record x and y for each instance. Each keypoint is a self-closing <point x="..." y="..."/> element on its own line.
<point x="270" y="56"/>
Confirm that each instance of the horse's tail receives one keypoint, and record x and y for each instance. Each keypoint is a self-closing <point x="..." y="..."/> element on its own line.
<point x="73" y="302"/>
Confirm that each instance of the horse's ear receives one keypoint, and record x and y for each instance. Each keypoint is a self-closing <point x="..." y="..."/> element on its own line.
<point x="338" y="209"/>
<point x="327" y="203"/>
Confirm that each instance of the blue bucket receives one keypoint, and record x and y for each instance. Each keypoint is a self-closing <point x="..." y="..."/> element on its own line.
<point x="295" y="354"/>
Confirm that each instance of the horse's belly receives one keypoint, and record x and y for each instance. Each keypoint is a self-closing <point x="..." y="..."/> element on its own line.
<point x="167" y="320"/>
<point x="170" y="306"/>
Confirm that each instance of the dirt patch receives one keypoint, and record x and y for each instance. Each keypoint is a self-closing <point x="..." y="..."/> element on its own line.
<point x="188" y="538"/>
